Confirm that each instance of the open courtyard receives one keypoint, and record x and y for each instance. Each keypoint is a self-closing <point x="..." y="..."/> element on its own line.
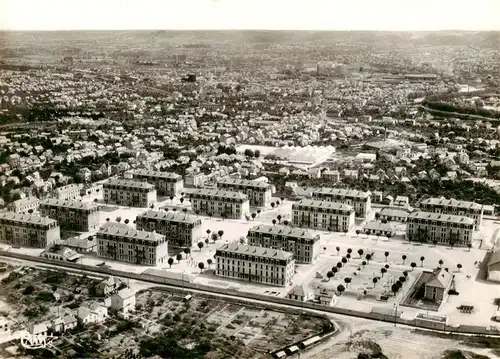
<point x="361" y="292"/>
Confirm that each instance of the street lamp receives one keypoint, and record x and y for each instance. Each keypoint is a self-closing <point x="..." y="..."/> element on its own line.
<point x="395" y="313"/>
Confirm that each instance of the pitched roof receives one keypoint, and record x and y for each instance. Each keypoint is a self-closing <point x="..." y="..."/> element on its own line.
<point x="54" y="202"/>
<point x="394" y="212"/>
<point x="451" y="203"/>
<point x="297" y="290"/>
<point x="68" y="188"/>
<point x="283" y="231"/>
<point x="70" y="318"/>
<point x="83" y="312"/>
<point x="343" y="192"/>
<point x="169" y="216"/>
<point x="157" y="174"/>
<point x="26" y="218"/>
<point x="379" y="226"/>
<point x="244" y="182"/>
<point x="322" y="204"/>
<point x="254" y="251"/>
<point x="36" y="328"/>
<point x="440" y="279"/>
<point x="24" y="201"/>
<point x="122" y="230"/>
<point x="440" y="217"/>
<point x="130" y="183"/>
<point x="125" y="293"/>
<point x="215" y="193"/>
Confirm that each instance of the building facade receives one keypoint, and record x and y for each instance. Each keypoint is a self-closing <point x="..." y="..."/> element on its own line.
<point x="259" y="193"/>
<point x="129" y="192"/>
<point x="255" y="264"/>
<point x="68" y="192"/>
<point x="393" y="214"/>
<point x="454" y="207"/>
<point x="302" y="243"/>
<point x="331" y="216"/>
<point x="442" y="228"/>
<point x="379" y="228"/>
<point x="27" y="230"/>
<point x="219" y="203"/>
<point x="166" y="183"/>
<point x="179" y="229"/>
<point x="437" y="287"/>
<point x="195" y="179"/>
<point x="117" y="241"/>
<point x="76" y="215"/>
<point x="25" y="205"/>
<point x="359" y="200"/>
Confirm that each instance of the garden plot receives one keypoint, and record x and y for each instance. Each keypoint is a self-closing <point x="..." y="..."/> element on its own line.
<point x="225" y="315"/>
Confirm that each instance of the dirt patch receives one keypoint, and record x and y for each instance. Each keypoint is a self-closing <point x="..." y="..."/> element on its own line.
<point x="462" y="354"/>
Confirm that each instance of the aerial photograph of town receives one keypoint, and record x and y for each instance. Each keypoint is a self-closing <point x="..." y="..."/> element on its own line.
<point x="255" y="194"/>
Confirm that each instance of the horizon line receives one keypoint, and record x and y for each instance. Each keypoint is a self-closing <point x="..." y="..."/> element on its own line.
<point x="256" y="29"/>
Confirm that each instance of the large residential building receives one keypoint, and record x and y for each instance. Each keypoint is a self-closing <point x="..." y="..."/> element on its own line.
<point x="68" y="192"/>
<point x="179" y="229"/>
<point x="129" y="192"/>
<point x="117" y="241"/>
<point x="331" y="216"/>
<point x="457" y="208"/>
<point x="255" y="264"/>
<point x="219" y="202"/>
<point x="166" y="183"/>
<point x="439" y="227"/>
<point x="25" y="205"/>
<point x="80" y="216"/>
<point x="259" y="193"/>
<point x="302" y="243"/>
<point x="359" y="200"/>
<point x="194" y="179"/>
<point x="28" y="230"/>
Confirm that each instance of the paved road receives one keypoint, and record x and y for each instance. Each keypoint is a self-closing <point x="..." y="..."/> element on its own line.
<point x="147" y="285"/>
<point x="143" y="284"/>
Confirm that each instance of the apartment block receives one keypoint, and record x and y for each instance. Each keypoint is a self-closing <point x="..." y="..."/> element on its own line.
<point x="25" y="205"/>
<point x="255" y="264"/>
<point x="259" y="193"/>
<point x="443" y="228"/>
<point x="79" y="216"/>
<point x="117" y="241"/>
<point x="68" y="192"/>
<point x="195" y="180"/>
<point x="179" y="229"/>
<point x="452" y="206"/>
<point x="303" y="244"/>
<point x="129" y="193"/>
<point x="331" y="175"/>
<point x="219" y="203"/>
<point x="359" y="200"/>
<point x="26" y="230"/>
<point x="331" y="216"/>
<point x="166" y="183"/>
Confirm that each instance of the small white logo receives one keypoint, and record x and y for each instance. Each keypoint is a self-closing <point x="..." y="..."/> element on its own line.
<point x="38" y="341"/>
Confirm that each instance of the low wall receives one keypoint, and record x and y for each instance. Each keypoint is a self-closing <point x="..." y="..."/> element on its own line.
<point x="247" y="295"/>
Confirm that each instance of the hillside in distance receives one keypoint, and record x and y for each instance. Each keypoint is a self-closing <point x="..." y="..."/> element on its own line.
<point x="249" y="37"/>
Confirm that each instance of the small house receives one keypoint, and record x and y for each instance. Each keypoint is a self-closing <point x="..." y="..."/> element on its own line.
<point x="38" y="328"/>
<point x="70" y="322"/>
<point x="107" y="286"/>
<point x="298" y="293"/>
<point x="379" y="228"/>
<point x="123" y="300"/>
<point x="437" y="287"/>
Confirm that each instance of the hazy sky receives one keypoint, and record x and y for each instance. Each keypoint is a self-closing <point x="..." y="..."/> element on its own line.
<point x="250" y="14"/>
